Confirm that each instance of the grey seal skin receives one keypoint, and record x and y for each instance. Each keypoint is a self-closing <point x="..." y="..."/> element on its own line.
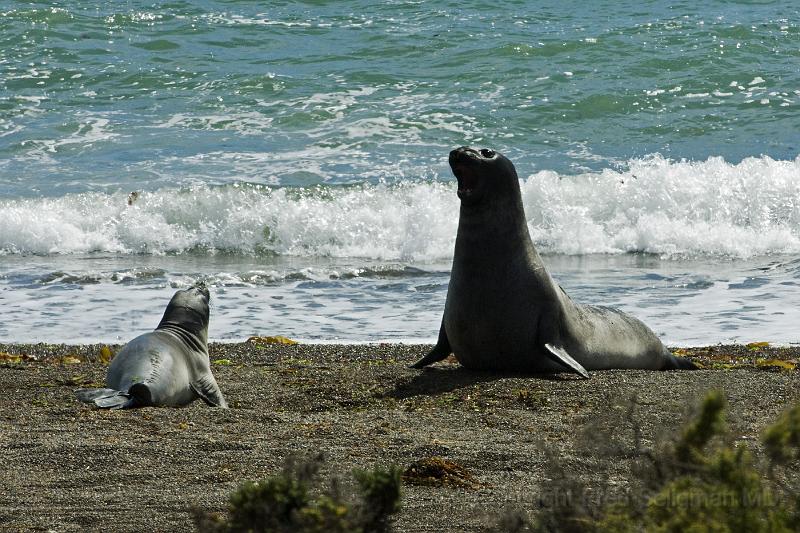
<point x="166" y="367"/>
<point x="503" y="310"/>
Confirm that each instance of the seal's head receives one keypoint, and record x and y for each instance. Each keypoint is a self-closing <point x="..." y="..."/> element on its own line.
<point x="188" y="310"/>
<point x="482" y="174"/>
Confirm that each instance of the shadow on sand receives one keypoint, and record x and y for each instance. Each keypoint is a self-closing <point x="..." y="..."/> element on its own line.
<point x="432" y="381"/>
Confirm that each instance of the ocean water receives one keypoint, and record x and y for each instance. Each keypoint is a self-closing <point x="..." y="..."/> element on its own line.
<point x="293" y="156"/>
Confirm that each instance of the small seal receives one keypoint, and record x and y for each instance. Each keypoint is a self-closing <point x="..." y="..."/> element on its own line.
<point x="504" y="311"/>
<point x="166" y="367"/>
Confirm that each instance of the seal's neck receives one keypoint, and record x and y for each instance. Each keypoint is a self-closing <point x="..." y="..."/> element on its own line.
<point x="188" y="324"/>
<point x="495" y="230"/>
<point x="195" y="342"/>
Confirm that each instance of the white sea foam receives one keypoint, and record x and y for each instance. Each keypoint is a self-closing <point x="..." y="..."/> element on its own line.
<point x="675" y="209"/>
<point x="709" y="208"/>
<point x="90" y="129"/>
<point x="412" y="221"/>
<point x="244" y="123"/>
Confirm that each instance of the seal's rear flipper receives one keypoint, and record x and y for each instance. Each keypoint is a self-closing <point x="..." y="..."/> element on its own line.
<point x="207" y="389"/>
<point x="105" y="398"/>
<point x="90" y="395"/>
<point x="680" y="363"/>
<point x="560" y="356"/>
<point x="439" y="352"/>
<point x="118" y="401"/>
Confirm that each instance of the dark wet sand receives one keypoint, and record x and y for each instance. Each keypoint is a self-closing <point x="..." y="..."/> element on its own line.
<point x="69" y="467"/>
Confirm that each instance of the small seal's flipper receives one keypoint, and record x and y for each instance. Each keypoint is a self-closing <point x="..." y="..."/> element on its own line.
<point x="119" y="401"/>
<point x="90" y="395"/>
<point x="560" y="356"/>
<point x="439" y="352"/>
<point x="207" y="389"/>
<point x="106" y="398"/>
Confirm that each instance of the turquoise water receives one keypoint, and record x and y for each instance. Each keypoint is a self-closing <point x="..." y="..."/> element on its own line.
<point x="298" y="151"/>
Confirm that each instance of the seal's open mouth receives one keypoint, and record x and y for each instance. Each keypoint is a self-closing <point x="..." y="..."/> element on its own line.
<point x="463" y="162"/>
<point x="467" y="180"/>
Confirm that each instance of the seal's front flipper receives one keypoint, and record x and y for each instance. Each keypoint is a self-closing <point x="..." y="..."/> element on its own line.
<point x="105" y="398"/>
<point x="560" y="356"/>
<point x="119" y="401"/>
<point x="207" y="389"/>
<point x="439" y="352"/>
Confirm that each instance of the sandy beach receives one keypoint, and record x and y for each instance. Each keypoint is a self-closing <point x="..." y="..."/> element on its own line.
<point x="70" y="467"/>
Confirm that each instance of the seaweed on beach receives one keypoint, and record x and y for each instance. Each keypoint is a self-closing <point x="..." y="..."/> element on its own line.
<point x="439" y="472"/>
<point x="754" y="355"/>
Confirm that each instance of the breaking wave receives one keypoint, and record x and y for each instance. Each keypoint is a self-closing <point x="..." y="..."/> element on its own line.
<point x="654" y="205"/>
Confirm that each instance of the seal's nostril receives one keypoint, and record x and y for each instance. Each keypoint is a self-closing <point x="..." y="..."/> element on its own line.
<point x="485" y="152"/>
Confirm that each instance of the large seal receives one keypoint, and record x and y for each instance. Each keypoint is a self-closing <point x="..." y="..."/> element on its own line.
<point x="166" y="367"/>
<point x="504" y="311"/>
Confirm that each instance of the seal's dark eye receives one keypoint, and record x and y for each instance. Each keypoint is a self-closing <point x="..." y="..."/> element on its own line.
<point x="485" y="152"/>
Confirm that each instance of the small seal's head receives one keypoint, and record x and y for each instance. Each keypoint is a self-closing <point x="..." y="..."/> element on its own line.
<point x="188" y="310"/>
<point x="482" y="174"/>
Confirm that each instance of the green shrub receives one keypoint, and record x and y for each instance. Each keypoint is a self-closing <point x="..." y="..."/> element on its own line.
<point x="714" y="486"/>
<point x="782" y="439"/>
<point x="269" y="504"/>
<point x="727" y="495"/>
<point x="690" y="448"/>
<point x="782" y="442"/>
<point x="704" y="483"/>
<point x="283" y="504"/>
<point x="380" y="493"/>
